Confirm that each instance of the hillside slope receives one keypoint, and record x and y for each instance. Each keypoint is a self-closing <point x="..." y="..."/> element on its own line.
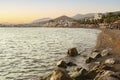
<point x="109" y="39"/>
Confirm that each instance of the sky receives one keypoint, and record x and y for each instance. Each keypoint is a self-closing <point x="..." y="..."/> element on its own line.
<point x="25" y="11"/>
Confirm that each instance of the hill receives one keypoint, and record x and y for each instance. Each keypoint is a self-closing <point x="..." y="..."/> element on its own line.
<point x="41" y="20"/>
<point x="64" y="18"/>
<point x="82" y="16"/>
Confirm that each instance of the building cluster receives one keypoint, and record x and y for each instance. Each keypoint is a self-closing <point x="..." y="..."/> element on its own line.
<point x="60" y="23"/>
<point x="64" y="21"/>
<point x="97" y="16"/>
<point x="68" y="22"/>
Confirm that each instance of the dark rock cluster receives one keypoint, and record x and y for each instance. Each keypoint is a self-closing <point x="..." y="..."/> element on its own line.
<point x="101" y="67"/>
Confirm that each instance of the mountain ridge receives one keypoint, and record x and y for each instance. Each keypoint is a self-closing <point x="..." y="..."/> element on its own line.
<point x="41" y="20"/>
<point x="64" y="17"/>
<point x="82" y="16"/>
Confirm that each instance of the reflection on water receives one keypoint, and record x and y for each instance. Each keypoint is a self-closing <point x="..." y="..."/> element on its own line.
<point x="27" y="53"/>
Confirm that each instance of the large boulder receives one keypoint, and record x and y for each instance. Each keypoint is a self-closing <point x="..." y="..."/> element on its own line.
<point x="110" y="61"/>
<point x="89" y="60"/>
<point x="96" y="70"/>
<point x="95" y="50"/>
<point x="93" y="71"/>
<point x="105" y="52"/>
<point x="60" y="74"/>
<point x="77" y="69"/>
<point x="108" y="75"/>
<point x="62" y="64"/>
<point x="95" y="55"/>
<point x="79" y="75"/>
<point x="72" y="52"/>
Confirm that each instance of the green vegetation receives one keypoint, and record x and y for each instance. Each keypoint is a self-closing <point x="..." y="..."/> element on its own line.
<point x="90" y="21"/>
<point x="108" y="18"/>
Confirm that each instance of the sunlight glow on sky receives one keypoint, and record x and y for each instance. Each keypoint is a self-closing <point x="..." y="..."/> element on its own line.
<point x="19" y="11"/>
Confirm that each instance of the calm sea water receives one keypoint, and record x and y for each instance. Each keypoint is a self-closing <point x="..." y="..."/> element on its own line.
<point x="27" y="53"/>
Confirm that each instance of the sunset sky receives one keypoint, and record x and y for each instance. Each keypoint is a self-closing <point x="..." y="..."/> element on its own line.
<point x="22" y="11"/>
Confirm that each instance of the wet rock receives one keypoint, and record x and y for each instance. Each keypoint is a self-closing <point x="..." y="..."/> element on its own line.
<point x="79" y="75"/>
<point x="98" y="69"/>
<point x="72" y="52"/>
<point x="93" y="65"/>
<point x="92" y="72"/>
<point x="77" y="69"/>
<point x="95" y="55"/>
<point x="60" y="74"/>
<point x="98" y="56"/>
<point x="62" y="64"/>
<point x="46" y="77"/>
<point x="110" y="61"/>
<point x="95" y="50"/>
<point x="108" y="75"/>
<point x="106" y="67"/>
<point x="117" y="62"/>
<point x="71" y="64"/>
<point x="105" y="52"/>
<point x="88" y="60"/>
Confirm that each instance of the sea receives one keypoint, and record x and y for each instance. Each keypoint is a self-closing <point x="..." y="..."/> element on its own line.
<point x="29" y="53"/>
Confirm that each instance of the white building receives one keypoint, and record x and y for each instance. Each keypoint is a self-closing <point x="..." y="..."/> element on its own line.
<point x="98" y="16"/>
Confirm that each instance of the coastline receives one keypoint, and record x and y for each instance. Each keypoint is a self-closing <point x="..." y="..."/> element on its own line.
<point x="102" y="62"/>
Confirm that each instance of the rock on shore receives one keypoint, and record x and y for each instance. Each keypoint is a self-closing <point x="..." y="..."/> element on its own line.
<point x="60" y="74"/>
<point x="72" y="52"/>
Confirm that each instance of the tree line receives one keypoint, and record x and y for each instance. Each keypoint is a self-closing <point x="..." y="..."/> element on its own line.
<point x="108" y="18"/>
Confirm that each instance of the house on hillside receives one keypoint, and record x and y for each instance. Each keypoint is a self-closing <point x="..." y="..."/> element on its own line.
<point x="116" y="25"/>
<point x="62" y="21"/>
<point x="98" y="16"/>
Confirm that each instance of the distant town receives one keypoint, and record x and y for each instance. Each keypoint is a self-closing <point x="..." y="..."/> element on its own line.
<point x="91" y="20"/>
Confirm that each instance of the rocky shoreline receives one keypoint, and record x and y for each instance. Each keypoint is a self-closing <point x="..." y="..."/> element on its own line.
<point x="103" y="62"/>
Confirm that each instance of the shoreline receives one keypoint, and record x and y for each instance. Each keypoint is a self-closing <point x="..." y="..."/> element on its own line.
<point x="49" y="27"/>
<point x="102" y="63"/>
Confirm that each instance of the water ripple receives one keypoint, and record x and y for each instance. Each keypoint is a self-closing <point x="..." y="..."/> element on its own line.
<point x="28" y="53"/>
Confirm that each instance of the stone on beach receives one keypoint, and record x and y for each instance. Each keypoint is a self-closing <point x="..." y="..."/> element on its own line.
<point x="95" y="55"/>
<point x="72" y="52"/>
<point x="62" y="64"/>
<point x="95" y="50"/>
<point x="110" y="61"/>
<point x="105" y="52"/>
<point x="108" y="75"/>
<point x="77" y="69"/>
<point x="79" y="75"/>
<point x="88" y="60"/>
<point x="60" y="74"/>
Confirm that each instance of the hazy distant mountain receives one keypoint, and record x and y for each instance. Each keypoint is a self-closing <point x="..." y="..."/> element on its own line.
<point x="7" y="23"/>
<point x="64" y="18"/>
<point x="41" y="20"/>
<point x="82" y="16"/>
